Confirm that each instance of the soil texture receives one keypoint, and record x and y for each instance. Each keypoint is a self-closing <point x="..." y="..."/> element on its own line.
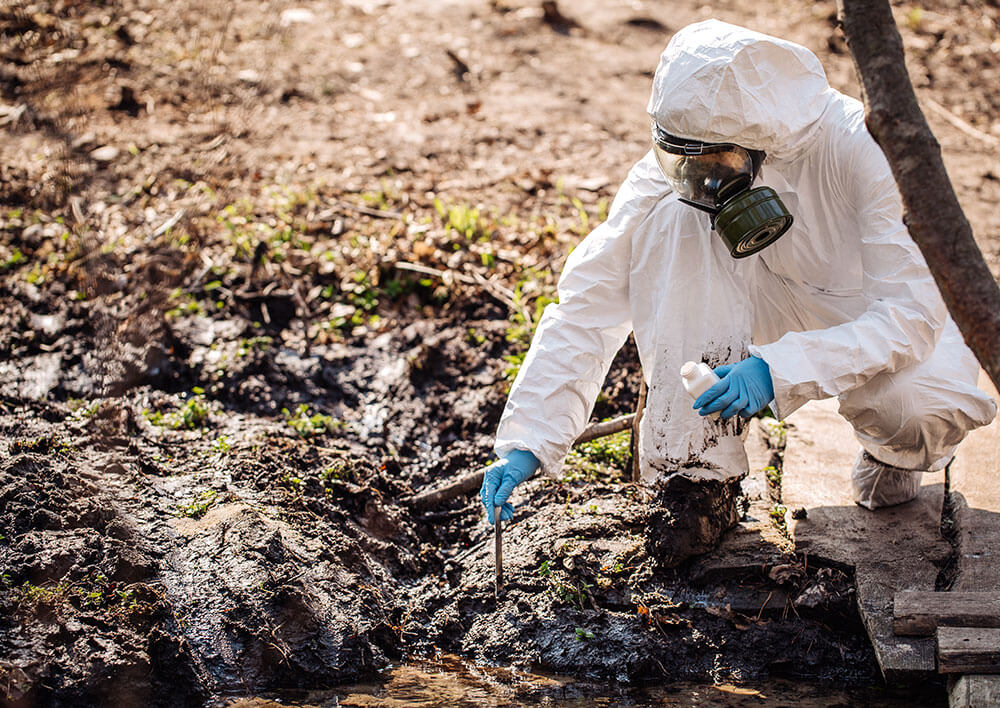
<point x="267" y="271"/>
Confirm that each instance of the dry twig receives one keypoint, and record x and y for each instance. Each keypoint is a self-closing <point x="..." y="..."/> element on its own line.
<point x="368" y="211"/>
<point x="961" y="124"/>
<point x="471" y="481"/>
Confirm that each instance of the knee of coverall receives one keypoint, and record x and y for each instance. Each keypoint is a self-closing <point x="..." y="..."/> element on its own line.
<point x="914" y="419"/>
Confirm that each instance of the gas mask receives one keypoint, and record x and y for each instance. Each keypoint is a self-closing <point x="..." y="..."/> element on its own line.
<point x="717" y="178"/>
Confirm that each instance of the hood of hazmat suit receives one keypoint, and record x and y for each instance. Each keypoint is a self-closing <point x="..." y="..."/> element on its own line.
<point x="841" y="305"/>
<point x="719" y="83"/>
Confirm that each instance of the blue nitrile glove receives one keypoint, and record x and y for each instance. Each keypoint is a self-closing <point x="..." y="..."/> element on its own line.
<point x="500" y="478"/>
<point x="745" y="388"/>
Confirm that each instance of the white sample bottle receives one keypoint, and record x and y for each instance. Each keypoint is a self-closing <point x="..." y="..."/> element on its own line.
<point x="697" y="379"/>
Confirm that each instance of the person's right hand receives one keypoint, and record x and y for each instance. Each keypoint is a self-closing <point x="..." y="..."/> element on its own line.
<point x="744" y="388"/>
<point x="500" y="478"/>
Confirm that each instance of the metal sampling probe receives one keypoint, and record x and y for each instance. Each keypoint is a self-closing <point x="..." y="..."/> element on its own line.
<point x="498" y="550"/>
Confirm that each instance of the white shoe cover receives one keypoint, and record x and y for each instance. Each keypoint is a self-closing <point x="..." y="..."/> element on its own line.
<point x="878" y="485"/>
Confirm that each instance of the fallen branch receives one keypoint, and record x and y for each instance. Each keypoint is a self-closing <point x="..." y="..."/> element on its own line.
<point x="605" y="427"/>
<point x="463" y="486"/>
<point x="167" y="225"/>
<point x="367" y="211"/>
<point x="471" y="481"/>
<point x="931" y="210"/>
<point x="960" y="124"/>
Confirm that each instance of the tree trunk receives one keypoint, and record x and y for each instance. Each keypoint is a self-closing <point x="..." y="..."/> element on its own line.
<point x="930" y="209"/>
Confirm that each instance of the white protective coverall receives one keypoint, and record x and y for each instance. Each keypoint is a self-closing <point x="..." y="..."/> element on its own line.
<point x="841" y="305"/>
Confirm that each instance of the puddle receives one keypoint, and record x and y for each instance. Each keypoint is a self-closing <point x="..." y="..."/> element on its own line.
<point x="450" y="683"/>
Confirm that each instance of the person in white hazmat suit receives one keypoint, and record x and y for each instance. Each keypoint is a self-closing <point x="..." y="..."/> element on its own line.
<point x="764" y="233"/>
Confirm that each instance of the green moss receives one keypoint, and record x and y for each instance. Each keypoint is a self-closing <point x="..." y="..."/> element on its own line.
<point x="199" y="505"/>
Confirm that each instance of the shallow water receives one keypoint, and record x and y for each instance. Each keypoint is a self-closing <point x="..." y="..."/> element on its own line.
<point x="450" y="683"/>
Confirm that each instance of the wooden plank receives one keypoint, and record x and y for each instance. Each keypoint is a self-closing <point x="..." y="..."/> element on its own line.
<point x="975" y="691"/>
<point x="968" y="650"/>
<point x="919" y="613"/>
<point x="976" y="511"/>
<point x="900" y="659"/>
<point x="976" y="516"/>
<point x="820" y="446"/>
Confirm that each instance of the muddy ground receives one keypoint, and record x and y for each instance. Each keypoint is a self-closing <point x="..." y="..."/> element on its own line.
<point x="266" y="270"/>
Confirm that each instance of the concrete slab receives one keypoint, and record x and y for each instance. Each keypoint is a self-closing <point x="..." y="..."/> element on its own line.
<point x="894" y="549"/>
<point x="819" y="452"/>
<point x="975" y="482"/>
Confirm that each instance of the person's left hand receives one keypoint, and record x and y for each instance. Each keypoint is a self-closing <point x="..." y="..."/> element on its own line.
<point x="745" y="388"/>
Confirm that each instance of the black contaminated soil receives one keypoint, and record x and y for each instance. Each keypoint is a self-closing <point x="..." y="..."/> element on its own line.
<point x="148" y="565"/>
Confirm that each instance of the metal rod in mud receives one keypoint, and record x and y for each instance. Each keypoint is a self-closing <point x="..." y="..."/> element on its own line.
<point x="498" y="550"/>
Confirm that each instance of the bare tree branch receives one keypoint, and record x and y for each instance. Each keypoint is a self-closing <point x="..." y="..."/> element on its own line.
<point x="931" y="209"/>
<point x="606" y="427"/>
<point x="471" y="481"/>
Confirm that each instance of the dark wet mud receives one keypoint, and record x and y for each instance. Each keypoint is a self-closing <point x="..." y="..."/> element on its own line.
<point x="200" y="501"/>
<point x="199" y="504"/>
<point x="264" y="550"/>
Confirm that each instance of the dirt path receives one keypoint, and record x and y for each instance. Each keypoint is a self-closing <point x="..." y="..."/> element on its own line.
<point x="266" y="270"/>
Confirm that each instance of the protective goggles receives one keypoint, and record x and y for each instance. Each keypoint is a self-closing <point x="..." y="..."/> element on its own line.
<point x="717" y="178"/>
<point x="705" y="175"/>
